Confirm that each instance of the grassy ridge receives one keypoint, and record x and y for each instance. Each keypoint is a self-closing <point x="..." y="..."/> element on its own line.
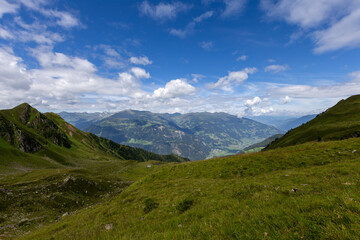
<point x="341" y="121"/>
<point x="308" y="191"/>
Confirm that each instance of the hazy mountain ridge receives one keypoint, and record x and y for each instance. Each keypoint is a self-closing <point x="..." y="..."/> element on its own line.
<point x="193" y="135"/>
<point x="339" y="122"/>
<point x="284" y="123"/>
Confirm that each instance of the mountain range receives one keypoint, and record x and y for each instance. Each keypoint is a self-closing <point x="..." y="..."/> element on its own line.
<point x="304" y="186"/>
<point x="194" y="135"/>
<point x="284" y="123"/>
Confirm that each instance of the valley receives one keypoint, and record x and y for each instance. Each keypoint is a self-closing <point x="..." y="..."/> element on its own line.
<point x="194" y="135"/>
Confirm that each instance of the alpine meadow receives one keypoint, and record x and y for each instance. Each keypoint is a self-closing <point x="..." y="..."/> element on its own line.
<point x="162" y="120"/>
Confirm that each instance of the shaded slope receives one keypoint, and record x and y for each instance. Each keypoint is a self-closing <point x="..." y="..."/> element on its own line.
<point x="341" y="121"/>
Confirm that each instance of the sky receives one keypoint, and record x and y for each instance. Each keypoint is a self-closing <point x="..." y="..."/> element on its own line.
<point x="243" y="57"/>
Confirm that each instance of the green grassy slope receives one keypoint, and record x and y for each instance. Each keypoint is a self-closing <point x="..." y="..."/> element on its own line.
<point x="308" y="191"/>
<point x="341" y="121"/>
<point x="49" y="168"/>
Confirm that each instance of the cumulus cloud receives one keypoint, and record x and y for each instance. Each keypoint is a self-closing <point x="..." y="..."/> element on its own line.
<point x="333" y="24"/>
<point x="12" y="71"/>
<point x="140" y="60"/>
<point x="257" y="106"/>
<point x="163" y="11"/>
<point x="233" y="7"/>
<point x="62" y="80"/>
<point x="285" y="100"/>
<point x="233" y="78"/>
<point x="254" y="101"/>
<point x="69" y="82"/>
<point x="276" y="68"/>
<point x="182" y="33"/>
<point x="140" y="73"/>
<point x="175" y="88"/>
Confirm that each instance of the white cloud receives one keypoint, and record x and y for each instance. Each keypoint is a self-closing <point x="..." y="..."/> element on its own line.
<point x="63" y="19"/>
<point x="257" y="106"/>
<point x="5" y="34"/>
<point x="343" y="34"/>
<point x="140" y="73"/>
<point x="233" y="78"/>
<point x="206" y="45"/>
<point x="140" y="60"/>
<point x="254" y="101"/>
<point x="163" y="11"/>
<point x="346" y="89"/>
<point x="270" y="60"/>
<point x="12" y="71"/>
<point x="233" y="7"/>
<point x="182" y="33"/>
<point x="62" y="80"/>
<point x="6" y="7"/>
<point x="285" y="100"/>
<point x="203" y="16"/>
<point x="196" y="77"/>
<point x="39" y="29"/>
<point x="333" y="24"/>
<point x="305" y="13"/>
<point x="242" y="58"/>
<point x="276" y="68"/>
<point x="174" y="88"/>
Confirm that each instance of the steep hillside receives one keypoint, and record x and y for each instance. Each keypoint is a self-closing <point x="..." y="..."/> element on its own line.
<point x="49" y="168"/>
<point x="341" y="121"/>
<point x="194" y="135"/>
<point x="308" y="191"/>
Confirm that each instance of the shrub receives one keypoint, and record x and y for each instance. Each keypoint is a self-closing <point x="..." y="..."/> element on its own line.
<point x="184" y="205"/>
<point x="150" y="204"/>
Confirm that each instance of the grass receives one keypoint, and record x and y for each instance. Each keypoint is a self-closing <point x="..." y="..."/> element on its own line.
<point x="308" y="191"/>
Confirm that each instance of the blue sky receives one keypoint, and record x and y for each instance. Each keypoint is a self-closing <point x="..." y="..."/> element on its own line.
<point x="244" y="57"/>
